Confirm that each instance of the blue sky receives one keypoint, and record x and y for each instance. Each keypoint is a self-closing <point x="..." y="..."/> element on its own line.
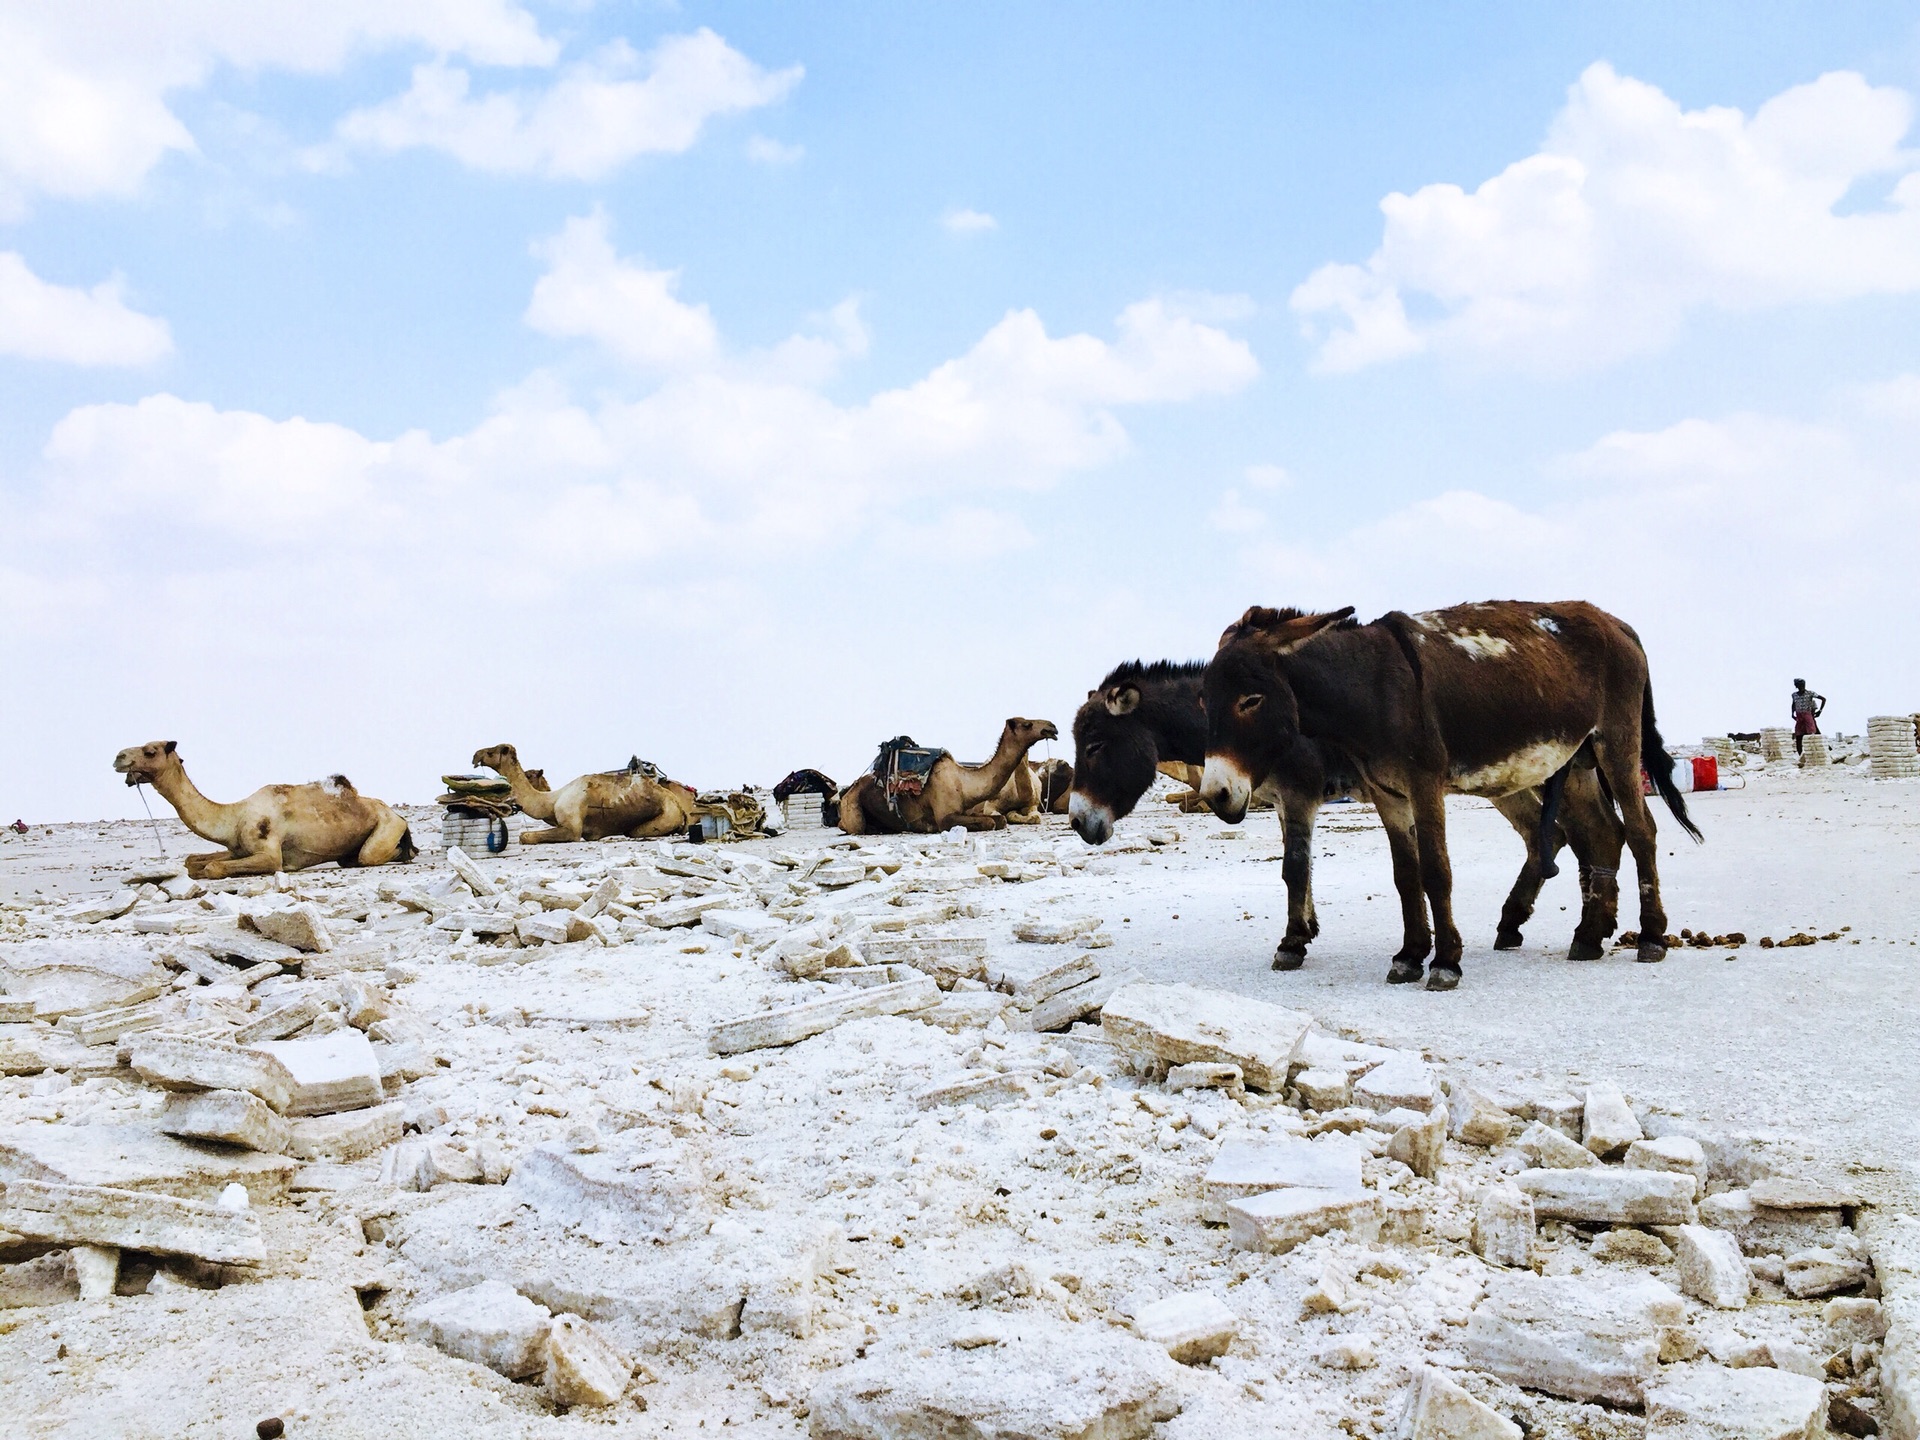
<point x="739" y="385"/>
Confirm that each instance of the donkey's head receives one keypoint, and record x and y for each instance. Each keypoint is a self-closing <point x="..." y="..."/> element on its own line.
<point x="1252" y="717"/>
<point x="1114" y="754"/>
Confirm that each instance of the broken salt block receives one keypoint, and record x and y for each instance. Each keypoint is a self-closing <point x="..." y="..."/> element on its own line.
<point x="1421" y="1146"/>
<point x="1278" y="1220"/>
<point x="1054" y="932"/>
<point x="1404" y="1083"/>
<point x="279" y="1022"/>
<point x="233" y="1117"/>
<point x="1323" y="1089"/>
<point x="137" y="1157"/>
<point x="975" y="1089"/>
<point x="947" y="958"/>
<point x="334" y="1072"/>
<point x="490" y="1324"/>
<point x="1056" y="1012"/>
<point x="1178" y="1024"/>
<point x="1034" y="976"/>
<point x="1474" y="1119"/>
<point x="1712" y="1402"/>
<point x="1245" y="1168"/>
<point x="1573" y="1337"/>
<point x="672" y="914"/>
<point x="1678" y="1153"/>
<point x="1438" y="1409"/>
<point x="97" y="1269"/>
<point x="1205" y="1075"/>
<point x="180" y="1062"/>
<point x="1775" y="1192"/>
<point x="46" y="1280"/>
<point x="1608" y="1125"/>
<point x="962" y="1010"/>
<point x="463" y="865"/>
<point x="1825" y="1270"/>
<point x="1503" y="1227"/>
<point x="1549" y="1149"/>
<point x="1348" y="1352"/>
<point x="604" y="894"/>
<point x="1019" y="1376"/>
<point x="1611" y="1197"/>
<point x="752" y="926"/>
<point x="547" y="928"/>
<point x="1855" y="1320"/>
<point x="582" y="1368"/>
<point x="1624" y="1244"/>
<point x="346" y="1136"/>
<point x="1712" y="1269"/>
<point x="298" y="925"/>
<point x="130" y="1220"/>
<point x="794" y="1023"/>
<point x="1191" y="1328"/>
<point x="110" y="907"/>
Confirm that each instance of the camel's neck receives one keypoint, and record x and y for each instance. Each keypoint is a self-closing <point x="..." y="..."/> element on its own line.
<point x="990" y="778"/>
<point x="537" y="803"/>
<point x="206" y="818"/>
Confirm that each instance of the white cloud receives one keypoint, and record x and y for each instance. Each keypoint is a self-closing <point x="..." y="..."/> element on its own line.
<point x="84" y="83"/>
<point x="1233" y="516"/>
<point x="1633" y="213"/>
<point x="764" y="150"/>
<point x="598" y="115"/>
<point x="589" y="293"/>
<point x="969" y="222"/>
<point x="1267" y="477"/>
<point x="42" y="321"/>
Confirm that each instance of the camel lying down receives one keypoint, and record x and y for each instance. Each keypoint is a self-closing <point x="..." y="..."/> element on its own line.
<point x="594" y="807"/>
<point x="955" y="794"/>
<point x="278" y="827"/>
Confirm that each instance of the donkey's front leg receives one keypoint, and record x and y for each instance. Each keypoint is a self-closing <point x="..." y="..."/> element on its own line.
<point x="1297" y="814"/>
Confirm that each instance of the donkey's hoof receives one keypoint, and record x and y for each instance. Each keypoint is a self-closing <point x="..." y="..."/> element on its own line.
<point x="1651" y="952"/>
<point x="1443" y="977"/>
<point x="1285" y="959"/>
<point x="1507" y="940"/>
<point x="1405" y="972"/>
<point x="1585" y="950"/>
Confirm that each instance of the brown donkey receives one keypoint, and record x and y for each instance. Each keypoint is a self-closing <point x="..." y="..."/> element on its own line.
<point x="1143" y="716"/>
<point x="1491" y="699"/>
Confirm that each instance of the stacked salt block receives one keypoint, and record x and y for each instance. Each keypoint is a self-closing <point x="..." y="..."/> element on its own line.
<point x="1724" y="750"/>
<point x="1890" y="741"/>
<point x="1813" y="751"/>
<point x="1774" y="743"/>
<point x="803" y="812"/>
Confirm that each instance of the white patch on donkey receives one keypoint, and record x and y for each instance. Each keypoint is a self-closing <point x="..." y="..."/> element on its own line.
<point x="1525" y="768"/>
<point x="1480" y="645"/>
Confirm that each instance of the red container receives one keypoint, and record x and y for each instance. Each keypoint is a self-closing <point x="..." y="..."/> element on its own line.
<point x="1699" y="772"/>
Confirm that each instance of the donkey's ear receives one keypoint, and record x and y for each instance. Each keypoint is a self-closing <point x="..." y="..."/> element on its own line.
<point x="1123" y="699"/>
<point x="1288" y="635"/>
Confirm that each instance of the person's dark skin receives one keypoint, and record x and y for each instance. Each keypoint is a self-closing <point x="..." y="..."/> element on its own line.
<point x="1817" y="705"/>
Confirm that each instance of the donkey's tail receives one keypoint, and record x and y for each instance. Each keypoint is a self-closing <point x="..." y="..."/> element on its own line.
<point x="1658" y="764"/>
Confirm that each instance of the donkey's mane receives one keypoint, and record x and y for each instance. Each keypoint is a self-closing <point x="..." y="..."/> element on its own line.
<point x="1136" y="671"/>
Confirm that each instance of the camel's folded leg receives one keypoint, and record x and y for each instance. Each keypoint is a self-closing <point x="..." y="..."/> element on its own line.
<point x="1023" y="817"/>
<point x="978" y="820"/>
<point x="225" y="867"/>
<point x="658" y="828"/>
<point x="384" y="843"/>
<point x="197" y="864"/>
<point x="1188" y="802"/>
<point x="552" y="836"/>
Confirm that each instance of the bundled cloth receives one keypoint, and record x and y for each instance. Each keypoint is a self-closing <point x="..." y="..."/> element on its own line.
<point x="745" y="816"/>
<point x="483" y="797"/>
<point x="902" y="768"/>
<point x="805" y="782"/>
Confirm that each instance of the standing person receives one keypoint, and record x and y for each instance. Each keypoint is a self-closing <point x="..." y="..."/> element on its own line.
<point x="1806" y="713"/>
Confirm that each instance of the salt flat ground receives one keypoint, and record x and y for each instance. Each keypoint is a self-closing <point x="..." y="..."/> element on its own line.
<point x="1820" y="1043"/>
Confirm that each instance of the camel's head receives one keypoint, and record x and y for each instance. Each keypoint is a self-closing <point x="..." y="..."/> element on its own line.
<point x="141" y="764"/>
<point x="495" y="757"/>
<point x="1028" y="733"/>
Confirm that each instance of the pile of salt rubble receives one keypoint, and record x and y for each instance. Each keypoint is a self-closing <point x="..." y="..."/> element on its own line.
<point x="632" y="1124"/>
